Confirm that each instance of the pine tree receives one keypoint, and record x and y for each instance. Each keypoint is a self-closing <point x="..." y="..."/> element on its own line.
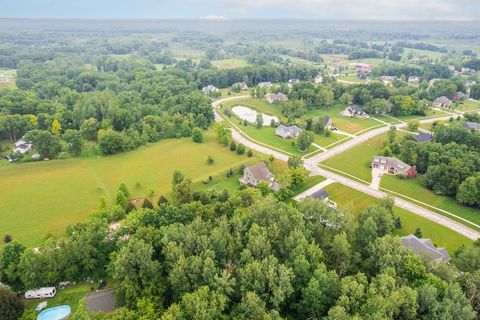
<point x="147" y="204"/>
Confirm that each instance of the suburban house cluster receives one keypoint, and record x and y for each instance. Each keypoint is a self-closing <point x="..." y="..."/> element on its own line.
<point x="393" y="166"/>
<point x="257" y="173"/>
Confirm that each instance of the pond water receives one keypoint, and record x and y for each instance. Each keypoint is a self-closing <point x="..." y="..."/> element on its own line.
<point x="246" y="113"/>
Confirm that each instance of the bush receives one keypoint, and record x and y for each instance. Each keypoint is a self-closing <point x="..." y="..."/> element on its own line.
<point x="210" y="160"/>
<point x="240" y="149"/>
<point x="233" y="146"/>
<point x="197" y="135"/>
<point x="250" y="153"/>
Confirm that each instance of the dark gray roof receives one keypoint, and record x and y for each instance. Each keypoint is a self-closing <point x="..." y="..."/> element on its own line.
<point x="424" y="137"/>
<point x="471" y="125"/>
<point x="425" y="247"/>
<point x="319" y="194"/>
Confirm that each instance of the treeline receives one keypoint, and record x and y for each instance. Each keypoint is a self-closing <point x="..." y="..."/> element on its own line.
<point x="421" y="46"/>
<point x="450" y="165"/>
<point x="246" y="256"/>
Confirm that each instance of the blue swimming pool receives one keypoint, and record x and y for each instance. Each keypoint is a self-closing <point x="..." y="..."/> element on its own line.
<point x="57" y="313"/>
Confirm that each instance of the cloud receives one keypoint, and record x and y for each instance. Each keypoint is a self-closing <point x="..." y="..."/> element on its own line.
<point x="212" y="17"/>
<point x="357" y="9"/>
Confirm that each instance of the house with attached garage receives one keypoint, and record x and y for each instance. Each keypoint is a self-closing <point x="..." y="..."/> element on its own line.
<point x="266" y="84"/>
<point x="425" y="247"/>
<point x="471" y="125"/>
<point x="255" y="174"/>
<point x="290" y="132"/>
<point x="354" y="111"/>
<point x="241" y="85"/>
<point x="276" y="97"/>
<point x="393" y="166"/>
<point x="442" y="102"/>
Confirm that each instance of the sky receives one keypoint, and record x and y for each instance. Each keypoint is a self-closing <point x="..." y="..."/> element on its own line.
<point x="243" y="9"/>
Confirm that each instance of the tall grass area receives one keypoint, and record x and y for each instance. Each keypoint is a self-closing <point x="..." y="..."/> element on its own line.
<point x="42" y="198"/>
<point x="440" y="235"/>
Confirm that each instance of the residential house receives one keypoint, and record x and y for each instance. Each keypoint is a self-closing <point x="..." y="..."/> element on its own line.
<point x="276" y="97"/>
<point x="4" y="80"/>
<point x="424" y="137"/>
<point x="465" y="70"/>
<point x="471" y="125"/>
<point x="257" y="173"/>
<point x="267" y="84"/>
<point x="457" y="96"/>
<point x="241" y="85"/>
<point x="290" y="132"/>
<point x="208" y="90"/>
<point x="413" y="79"/>
<point x="327" y="122"/>
<point x="323" y="195"/>
<point x="393" y="166"/>
<point x="442" y="102"/>
<point x="319" y="78"/>
<point x="291" y="82"/>
<point x="387" y="80"/>
<point x="425" y="247"/>
<point x="354" y="111"/>
<point x="22" y="146"/>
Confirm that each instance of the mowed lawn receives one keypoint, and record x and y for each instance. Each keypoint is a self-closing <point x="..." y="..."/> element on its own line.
<point x="229" y="63"/>
<point x="356" y="161"/>
<point x="44" y="197"/>
<point x="440" y="235"/>
<point x="467" y="106"/>
<point x="414" y="189"/>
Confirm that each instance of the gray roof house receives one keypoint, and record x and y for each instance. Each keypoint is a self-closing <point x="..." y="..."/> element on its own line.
<point x="471" y="125"/>
<point x="425" y="247"/>
<point x="290" y="132"/>
<point x="320" y="194"/>
<point x="393" y="166"/>
<point x="241" y="85"/>
<point x="424" y="137"/>
<point x="266" y="84"/>
<point x="327" y="122"/>
<point x="354" y="111"/>
<point x="259" y="172"/>
<point x="276" y="97"/>
<point x="209" y="89"/>
<point x="442" y="102"/>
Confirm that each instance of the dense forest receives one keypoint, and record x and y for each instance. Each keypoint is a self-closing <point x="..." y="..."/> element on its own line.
<point x="248" y="256"/>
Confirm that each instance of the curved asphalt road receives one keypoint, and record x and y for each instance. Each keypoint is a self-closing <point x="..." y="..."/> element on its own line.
<point x="311" y="164"/>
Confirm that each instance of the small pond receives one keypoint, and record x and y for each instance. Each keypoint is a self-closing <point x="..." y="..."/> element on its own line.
<point x="246" y="113"/>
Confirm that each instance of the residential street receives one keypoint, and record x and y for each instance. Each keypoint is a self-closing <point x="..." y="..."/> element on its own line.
<point x="311" y="164"/>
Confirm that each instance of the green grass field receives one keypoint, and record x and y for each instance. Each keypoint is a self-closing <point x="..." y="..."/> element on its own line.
<point x="358" y="201"/>
<point x="417" y="52"/>
<point x="11" y="74"/>
<point x="229" y="63"/>
<point x="45" y="197"/>
<point x="69" y="296"/>
<point x="414" y="189"/>
<point x="467" y="106"/>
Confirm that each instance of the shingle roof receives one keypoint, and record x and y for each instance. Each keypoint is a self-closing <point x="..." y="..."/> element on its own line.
<point x="471" y="125"/>
<point x="260" y="171"/>
<point x="424" y="137"/>
<point x="392" y="162"/>
<point x="319" y="194"/>
<point x="425" y="247"/>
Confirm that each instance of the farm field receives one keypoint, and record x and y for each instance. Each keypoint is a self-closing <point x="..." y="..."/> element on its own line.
<point x="412" y="188"/>
<point x="45" y="197"/>
<point x="229" y="63"/>
<point x="440" y="235"/>
<point x="356" y="161"/>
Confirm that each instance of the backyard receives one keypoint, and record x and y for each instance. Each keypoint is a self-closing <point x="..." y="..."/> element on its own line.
<point x="44" y="197"/>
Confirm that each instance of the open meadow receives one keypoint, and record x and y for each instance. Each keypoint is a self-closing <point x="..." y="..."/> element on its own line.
<point x="44" y="197"/>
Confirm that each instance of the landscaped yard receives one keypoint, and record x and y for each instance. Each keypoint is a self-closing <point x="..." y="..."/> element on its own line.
<point x="440" y="235"/>
<point x="69" y="296"/>
<point x="412" y="188"/>
<point x="229" y="63"/>
<point x="44" y="197"/>
<point x="356" y="161"/>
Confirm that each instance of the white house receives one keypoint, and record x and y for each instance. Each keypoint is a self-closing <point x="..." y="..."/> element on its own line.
<point x="42" y="293"/>
<point x="22" y="146"/>
<point x="209" y="90"/>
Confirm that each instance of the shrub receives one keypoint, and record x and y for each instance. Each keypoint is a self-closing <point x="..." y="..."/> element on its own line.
<point x="210" y="160"/>
<point x="197" y="135"/>
<point x="233" y="146"/>
<point x="240" y="149"/>
<point x="250" y="153"/>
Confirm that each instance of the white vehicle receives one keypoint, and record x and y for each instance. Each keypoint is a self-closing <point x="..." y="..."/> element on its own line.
<point x="41" y="306"/>
<point x="47" y="292"/>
